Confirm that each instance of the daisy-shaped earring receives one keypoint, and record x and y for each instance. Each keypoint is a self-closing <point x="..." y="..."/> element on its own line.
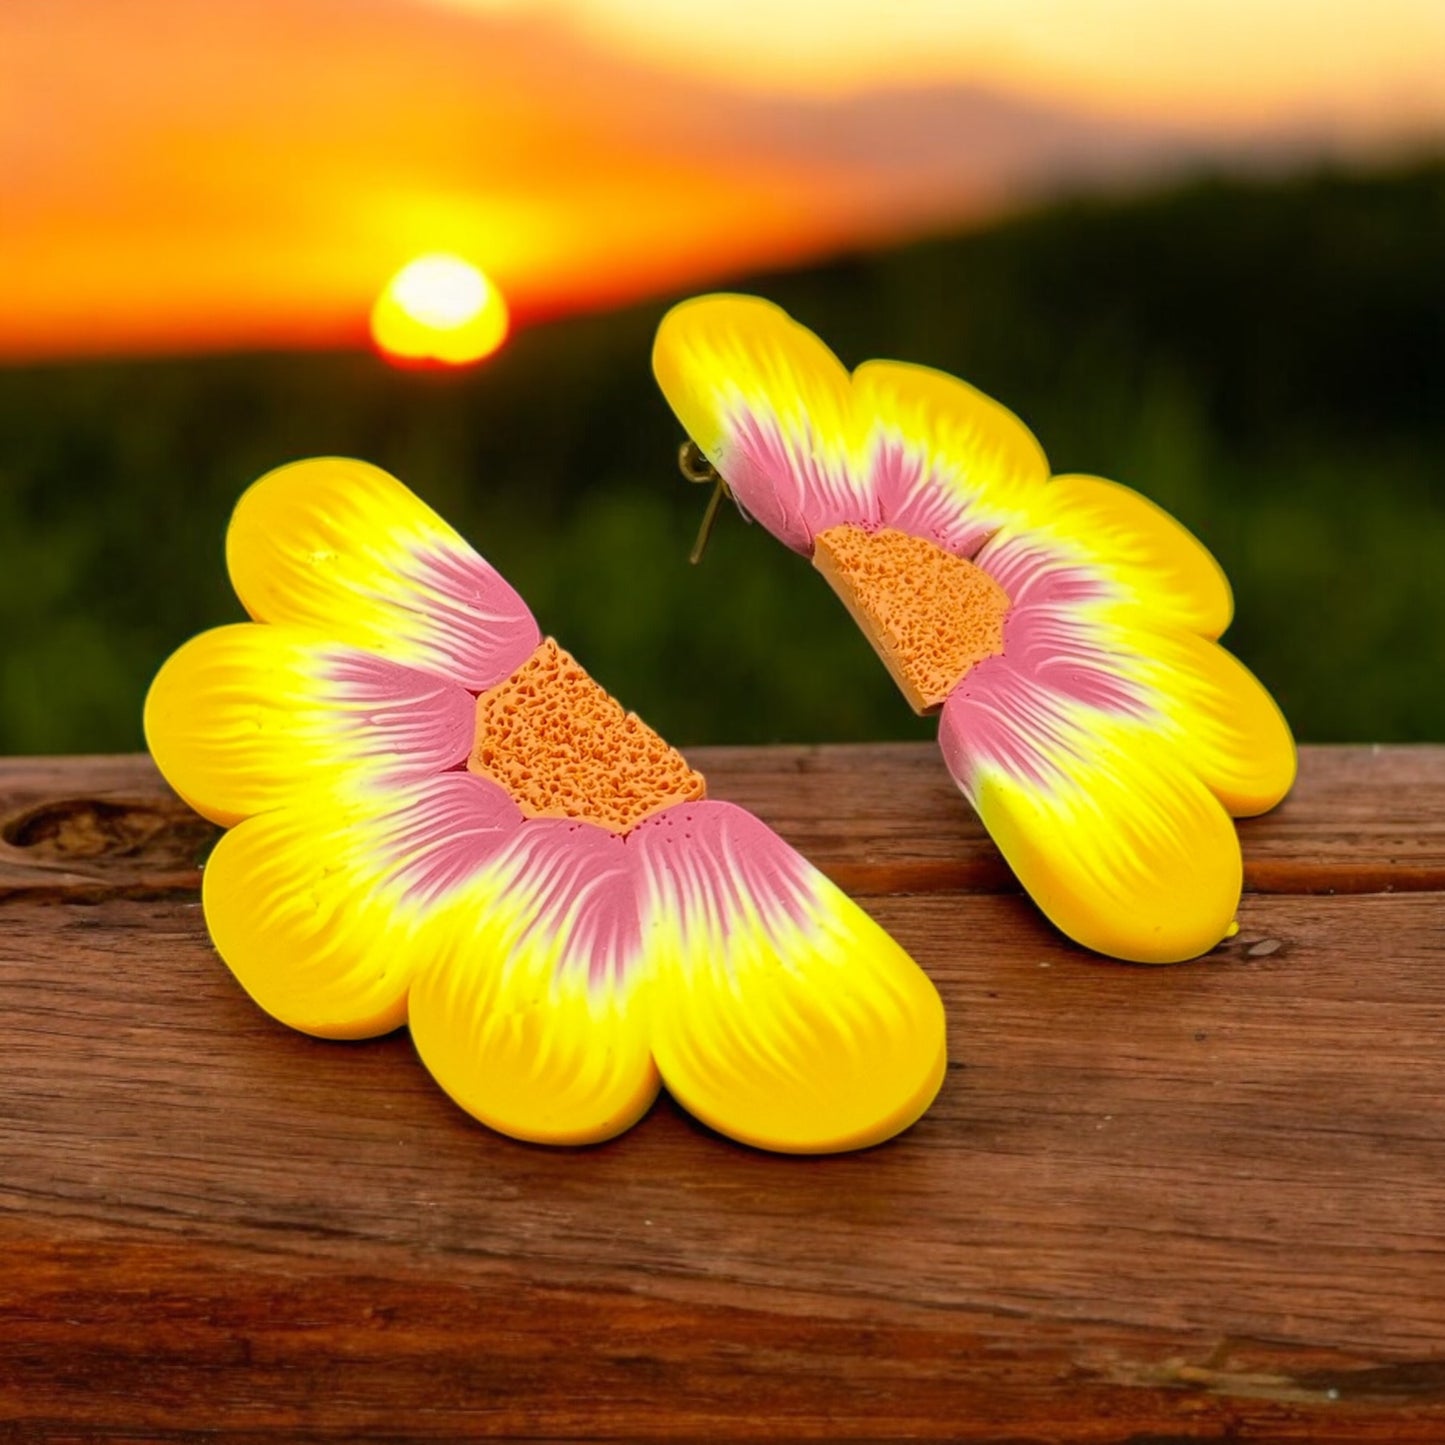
<point x="438" y="818"/>
<point x="1063" y="627"/>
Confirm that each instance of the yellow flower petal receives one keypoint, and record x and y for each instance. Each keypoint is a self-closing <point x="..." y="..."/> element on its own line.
<point x="1111" y="833"/>
<point x="769" y="405"/>
<point x="342" y="547"/>
<point x="946" y="462"/>
<point x="248" y="717"/>
<point x="1136" y="554"/>
<point x="1082" y="635"/>
<point x="713" y="352"/>
<point x="324" y="909"/>
<point x="533" y="1016"/>
<point x="784" y="1016"/>
<point x="1224" y="724"/>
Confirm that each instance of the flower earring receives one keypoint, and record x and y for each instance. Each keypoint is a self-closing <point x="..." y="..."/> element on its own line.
<point x="437" y="817"/>
<point x="1063" y="628"/>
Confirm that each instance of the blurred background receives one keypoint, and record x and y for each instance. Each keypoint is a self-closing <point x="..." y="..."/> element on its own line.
<point x="1199" y="247"/>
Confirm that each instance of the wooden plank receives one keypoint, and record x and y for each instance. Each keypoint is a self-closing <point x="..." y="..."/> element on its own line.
<point x="880" y="818"/>
<point x="885" y="817"/>
<point x="86" y="828"/>
<point x="1201" y="1202"/>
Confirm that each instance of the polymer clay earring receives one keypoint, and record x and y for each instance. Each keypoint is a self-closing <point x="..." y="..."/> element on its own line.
<point x="438" y="818"/>
<point x="1063" y="628"/>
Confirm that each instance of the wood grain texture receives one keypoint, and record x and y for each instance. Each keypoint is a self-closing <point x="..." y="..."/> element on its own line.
<point x="1195" y="1203"/>
<point x="878" y="818"/>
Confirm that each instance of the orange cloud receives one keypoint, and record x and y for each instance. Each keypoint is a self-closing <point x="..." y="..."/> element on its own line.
<point x="1375" y="62"/>
<point x="184" y="176"/>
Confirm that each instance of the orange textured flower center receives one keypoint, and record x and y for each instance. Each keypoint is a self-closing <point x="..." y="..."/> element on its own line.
<point x="563" y="747"/>
<point x="930" y="616"/>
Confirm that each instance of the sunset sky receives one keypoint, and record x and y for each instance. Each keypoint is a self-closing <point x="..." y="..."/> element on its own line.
<point x="178" y="175"/>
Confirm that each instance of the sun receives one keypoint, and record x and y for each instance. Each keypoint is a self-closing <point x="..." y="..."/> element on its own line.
<point x="439" y="309"/>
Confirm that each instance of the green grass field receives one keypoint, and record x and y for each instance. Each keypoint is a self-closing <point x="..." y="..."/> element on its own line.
<point x="1266" y="360"/>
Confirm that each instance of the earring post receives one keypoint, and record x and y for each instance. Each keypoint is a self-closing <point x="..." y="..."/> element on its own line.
<point x="709" y="519"/>
<point x="695" y="467"/>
